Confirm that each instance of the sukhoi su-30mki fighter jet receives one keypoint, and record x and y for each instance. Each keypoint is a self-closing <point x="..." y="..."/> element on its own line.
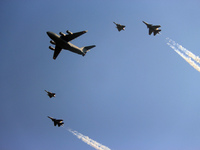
<point x="153" y="28"/>
<point x="119" y="26"/>
<point x="62" y="42"/>
<point x="58" y="122"/>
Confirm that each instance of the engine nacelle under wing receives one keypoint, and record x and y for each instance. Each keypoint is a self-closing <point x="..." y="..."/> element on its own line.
<point x="51" y="48"/>
<point x="62" y="34"/>
<point x="69" y="32"/>
<point x="52" y="42"/>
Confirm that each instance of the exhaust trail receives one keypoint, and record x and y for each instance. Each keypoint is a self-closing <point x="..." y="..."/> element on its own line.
<point x="188" y="56"/>
<point x="87" y="140"/>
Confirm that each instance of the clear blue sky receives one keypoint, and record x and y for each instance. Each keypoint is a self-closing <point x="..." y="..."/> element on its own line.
<point x="130" y="92"/>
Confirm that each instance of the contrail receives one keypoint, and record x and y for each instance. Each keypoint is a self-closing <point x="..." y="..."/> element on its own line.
<point x="191" y="58"/>
<point x="89" y="141"/>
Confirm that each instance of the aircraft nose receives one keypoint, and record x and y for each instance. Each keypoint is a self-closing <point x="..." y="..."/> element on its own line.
<point x="48" y="33"/>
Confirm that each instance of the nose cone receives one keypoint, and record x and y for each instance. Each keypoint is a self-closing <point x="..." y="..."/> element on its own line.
<point x="51" y="35"/>
<point x="48" y="33"/>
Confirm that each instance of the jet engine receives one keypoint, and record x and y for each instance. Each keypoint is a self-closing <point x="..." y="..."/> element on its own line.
<point x="52" y="42"/>
<point x="62" y="34"/>
<point x="51" y="48"/>
<point x="69" y="32"/>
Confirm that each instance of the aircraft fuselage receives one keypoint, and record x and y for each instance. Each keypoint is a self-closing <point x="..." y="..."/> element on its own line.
<point x="150" y="26"/>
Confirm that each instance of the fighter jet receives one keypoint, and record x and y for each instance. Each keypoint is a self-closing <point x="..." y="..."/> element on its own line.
<point x="62" y="42"/>
<point x="119" y="27"/>
<point x="58" y="122"/>
<point x="50" y="94"/>
<point x="153" y="28"/>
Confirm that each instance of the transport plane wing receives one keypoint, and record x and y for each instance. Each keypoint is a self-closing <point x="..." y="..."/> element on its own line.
<point x="70" y="36"/>
<point x="56" y="52"/>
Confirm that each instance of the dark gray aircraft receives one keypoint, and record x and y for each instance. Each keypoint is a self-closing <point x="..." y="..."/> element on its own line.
<point x="119" y="27"/>
<point x="50" y="94"/>
<point x="62" y="42"/>
<point x="153" y="28"/>
<point x="58" y="122"/>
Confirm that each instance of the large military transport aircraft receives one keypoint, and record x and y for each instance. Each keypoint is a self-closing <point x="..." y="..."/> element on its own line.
<point x="62" y="42"/>
<point x="153" y="28"/>
<point x="119" y="26"/>
<point x="58" y="122"/>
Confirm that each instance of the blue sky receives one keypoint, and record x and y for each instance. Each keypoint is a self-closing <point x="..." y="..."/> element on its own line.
<point x="131" y="91"/>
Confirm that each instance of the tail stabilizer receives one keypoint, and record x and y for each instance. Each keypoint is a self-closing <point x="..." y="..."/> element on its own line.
<point x="60" y="124"/>
<point x="87" y="48"/>
<point x="157" y="32"/>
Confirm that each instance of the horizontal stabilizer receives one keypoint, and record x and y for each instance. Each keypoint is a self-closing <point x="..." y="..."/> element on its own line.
<point x="156" y="32"/>
<point x="87" y="48"/>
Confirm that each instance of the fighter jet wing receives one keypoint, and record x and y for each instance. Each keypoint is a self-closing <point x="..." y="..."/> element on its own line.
<point x="56" y="52"/>
<point x="157" y="26"/>
<point x="60" y="120"/>
<point x="72" y="36"/>
<point x="150" y="31"/>
<point x="119" y="29"/>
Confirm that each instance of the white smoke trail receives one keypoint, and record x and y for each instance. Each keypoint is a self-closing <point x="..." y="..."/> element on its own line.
<point x="181" y="51"/>
<point x="89" y="141"/>
<point x="187" y="52"/>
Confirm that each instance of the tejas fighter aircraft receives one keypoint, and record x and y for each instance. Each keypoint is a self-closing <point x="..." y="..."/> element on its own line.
<point x="50" y="94"/>
<point x="58" y="122"/>
<point x="119" y="27"/>
<point x="153" y="28"/>
<point x="62" y="42"/>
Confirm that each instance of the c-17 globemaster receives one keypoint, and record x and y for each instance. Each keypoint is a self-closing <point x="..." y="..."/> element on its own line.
<point x="62" y="42"/>
<point x="153" y="28"/>
<point x="119" y="26"/>
<point x="58" y="122"/>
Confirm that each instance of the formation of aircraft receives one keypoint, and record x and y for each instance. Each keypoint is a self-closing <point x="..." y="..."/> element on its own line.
<point x="62" y="42"/>
<point x="153" y="28"/>
<point x="58" y="122"/>
<point x="50" y="94"/>
<point x="119" y="26"/>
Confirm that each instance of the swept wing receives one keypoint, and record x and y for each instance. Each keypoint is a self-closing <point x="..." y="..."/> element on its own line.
<point x="69" y="37"/>
<point x="150" y="31"/>
<point x="56" y="52"/>
<point x="157" y="26"/>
